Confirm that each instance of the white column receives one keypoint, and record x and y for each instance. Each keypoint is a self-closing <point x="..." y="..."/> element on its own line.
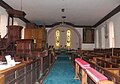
<point x="96" y="39"/>
<point x="102" y="37"/>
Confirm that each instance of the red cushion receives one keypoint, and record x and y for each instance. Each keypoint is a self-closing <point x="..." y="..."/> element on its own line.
<point x="95" y="75"/>
<point x="82" y="63"/>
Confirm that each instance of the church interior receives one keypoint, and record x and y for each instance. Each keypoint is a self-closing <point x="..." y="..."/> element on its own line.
<point x="59" y="42"/>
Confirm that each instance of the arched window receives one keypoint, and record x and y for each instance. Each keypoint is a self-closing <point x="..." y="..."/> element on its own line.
<point x="57" y="38"/>
<point x="68" y="38"/>
<point x="111" y="35"/>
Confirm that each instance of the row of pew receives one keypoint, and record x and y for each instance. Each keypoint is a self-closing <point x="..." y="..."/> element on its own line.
<point x="89" y="75"/>
<point x="23" y="73"/>
<point x="28" y="69"/>
<point x="101" y="60"/>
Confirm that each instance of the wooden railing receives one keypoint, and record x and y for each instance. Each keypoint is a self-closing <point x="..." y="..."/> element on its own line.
<point x="6" y="47"/>
<point x="23" y="73"/>
<point x="3" y="41"/>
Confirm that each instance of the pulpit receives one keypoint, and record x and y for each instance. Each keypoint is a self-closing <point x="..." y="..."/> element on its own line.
<point x="14" y="33"/>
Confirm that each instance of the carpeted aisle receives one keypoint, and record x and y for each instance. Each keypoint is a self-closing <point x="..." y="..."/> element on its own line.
<point x="62" y="72"/>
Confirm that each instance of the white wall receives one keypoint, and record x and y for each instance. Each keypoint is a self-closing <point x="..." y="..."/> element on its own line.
<point x="74" y="37"/>
<point x="116" y="22"/>
<point x="4" y="20"/>
<point x="96" y="39"/>
<point x="85" y="46"/>
<point x="106" y="43"/>
<point x="102" y="37"/>
<point x="88" y="46"/>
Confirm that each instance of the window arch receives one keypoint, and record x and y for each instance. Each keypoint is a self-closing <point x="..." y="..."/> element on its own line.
<point x="68" y="38"/>
<point x="57" y="38"/>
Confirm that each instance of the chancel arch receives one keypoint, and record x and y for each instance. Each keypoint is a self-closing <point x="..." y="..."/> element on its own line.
<point x="74" y="37"/>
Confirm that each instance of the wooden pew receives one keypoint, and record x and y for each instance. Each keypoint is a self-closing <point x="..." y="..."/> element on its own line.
<point x="114" y="70"/>
<point x="23" y="73"/>
<point x="111" y="76"/>
<point x="32" y="69"/>
<point x="115" y="59"/>
<point x="81" y="65"/>
<point x="97" y="77"/>
<point x="108" y="51"/>
<point x="2" y="79"/>
<point x="106" y="64"/>
<point x="44" y="61"/>
<point x="85" y="69"/>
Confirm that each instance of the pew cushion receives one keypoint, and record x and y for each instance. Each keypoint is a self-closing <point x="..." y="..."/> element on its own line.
<point x="95" y="75"/>
<point x="82" y="63"/>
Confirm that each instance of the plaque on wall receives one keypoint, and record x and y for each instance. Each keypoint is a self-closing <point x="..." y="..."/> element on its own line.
<point x="88" y="35"/>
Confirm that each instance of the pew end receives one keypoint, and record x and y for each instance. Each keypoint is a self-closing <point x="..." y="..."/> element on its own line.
<point x="83" y="65"/>
<point x="114" y="70"/>
<point x="2" y="79"/>
<point x="106" y="82"/>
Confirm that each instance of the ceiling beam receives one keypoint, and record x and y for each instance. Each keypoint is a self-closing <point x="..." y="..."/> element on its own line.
<point x="109" y="15"/>
<point x="5" y="5"/>
<point x="25" y="20"/>
<point x="67" y="23"/>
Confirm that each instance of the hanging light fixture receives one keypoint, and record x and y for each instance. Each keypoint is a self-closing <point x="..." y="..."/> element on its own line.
<point x="63" y="16"/>
<point x="21" y="5"/>
<point x="63" y="19"/>
<point x="62" y="10"/>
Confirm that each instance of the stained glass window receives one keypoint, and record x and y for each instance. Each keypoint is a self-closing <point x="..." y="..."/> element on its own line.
<point x="68" y="38"/>
<point x="57" y="38"/>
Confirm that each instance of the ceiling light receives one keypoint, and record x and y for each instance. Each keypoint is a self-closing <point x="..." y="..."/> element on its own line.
<point x="63" y="17"/>
<point x="62" y="10"/>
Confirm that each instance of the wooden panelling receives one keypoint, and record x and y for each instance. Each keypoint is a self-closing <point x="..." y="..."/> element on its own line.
<point x="27" y="33"/>
<point x="23" y="73"/>
<point x="2" y="79"/>
<point x="14" y="33"/>
<point x="88" y="35"/>
<point x="37" y="34"/>
<point x="24" y="46"/>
